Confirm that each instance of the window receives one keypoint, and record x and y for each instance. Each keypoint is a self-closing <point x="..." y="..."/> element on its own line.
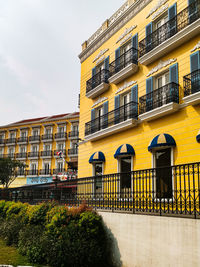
<point x="11" y="152"/>
<point x="48" y="131"/>
<point x="1" y="152"/>
<point x="47" y="147"/>
<point x="12" y="135"/>
<point x="98" y="172"/>
<point x="124" y="51"/>
<point x="35" y="149"/>
<point x="100" y="67"/>
<point x="75" y="128"/>
<point x="61" y="129"/>
<point x="164" y="186"/>
<point x="1" y="137"/>
<point x="60" y="146"/>
<point x="125" y="176"/>
<point x="161" y="80"/>
<point x="60" y="166"/>
<point x="23" y="149"/>
<point x="35" y="132"/>
<point x="23" y="134"/>
<point x="46" y="168"/>
<point x="34" y="169"/>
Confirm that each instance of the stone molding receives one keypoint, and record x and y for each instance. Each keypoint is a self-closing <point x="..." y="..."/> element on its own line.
<point x="197" y="46"/>
<point x="161" y="65"/>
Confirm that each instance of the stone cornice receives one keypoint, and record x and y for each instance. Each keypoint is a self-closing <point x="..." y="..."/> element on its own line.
<point x="126" y="16"/>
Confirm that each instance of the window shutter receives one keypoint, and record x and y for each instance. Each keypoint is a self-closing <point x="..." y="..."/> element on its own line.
<point x="173" y="73"/>
<point x="174" y="88"/>
<point x="134" y="99"/>
<point x="117" y="111"/>
<point x="117" y="59"/>
<point x="106" y="67"/>
<point x="93" y="78"/>
<point x="195" y="61"/>
<point x="149" y="96"/>
<point x="148" y="37"/>
<point x="105" y="115"/>
<point x="93" y="120"/>
<point x="135" y="47"/>
<point x="192" y="10"/>
<point x="172" y="19"/>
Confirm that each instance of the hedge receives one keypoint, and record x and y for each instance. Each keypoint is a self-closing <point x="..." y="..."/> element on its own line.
<point x="56" y="235"/>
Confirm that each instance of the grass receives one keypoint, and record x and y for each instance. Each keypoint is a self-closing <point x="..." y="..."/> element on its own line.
<point x="10" y="256"/>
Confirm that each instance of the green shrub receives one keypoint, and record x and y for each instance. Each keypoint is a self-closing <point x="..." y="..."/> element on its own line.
<point x="15" y="209"/>
<point x="37" y="214"/>
<point x="2" y="204"/>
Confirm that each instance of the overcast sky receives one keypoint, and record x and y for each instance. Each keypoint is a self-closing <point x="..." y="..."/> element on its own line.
<point x="39" y="45"/>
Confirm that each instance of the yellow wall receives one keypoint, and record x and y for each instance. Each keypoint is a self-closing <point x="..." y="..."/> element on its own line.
<point x="183" y="125"/>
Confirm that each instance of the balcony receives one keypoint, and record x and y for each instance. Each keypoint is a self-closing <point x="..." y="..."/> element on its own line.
<point x="33" y="155"/>
<point x="73" y="135"/>
<point x="98" y="84"/>
<point x="180" y="29"/>
<point x="46" y="154"/>
<point x="73" y="152"/>
<point x="191" y="84"/>
<point x="22" y="140"/>
<point x="11" y="141"/>
<point x="124" y="66"/>
<point x="33" y="172"/>
<point x="34" y="139"/>
<point x="47" y="137"/>
<point x="10" y="155"/>
<point x="45" y="172"/>
<point x="57" y="171"/>
<point x="21" y="155"/>
<point x="117" y="120"/>
<point x="160" y="102"/>
<point x="60" y="136"/>
<point x="21" y="172"/>
<point x="58" y="150"/>
<point x="2" y="142"/>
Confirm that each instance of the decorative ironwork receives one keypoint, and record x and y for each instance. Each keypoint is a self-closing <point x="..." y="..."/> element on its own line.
<point x="60" y="135"/>
<point x="159" y="97"/>
<point x="45" y="172"/>
<point x="33" y="154"/>
<point x="22" y="140"/>
<point x="11" y="141"/>
<point x="34" y="138"/>
<point x="101" y="77"/>
<point x="47" y="137"/>
<point x="73" y="134"/>
<point x="191" y="83"/>
<point x="32" y="172"/>
<point x="73" y="151"/>
<point x="130" y="56"/>
<point x="123" y="113"/>
<point x="142" y="191"/>
<point x="46" y="153"/>
<point x="21" y="155"/>
<point x="170" y="28"/>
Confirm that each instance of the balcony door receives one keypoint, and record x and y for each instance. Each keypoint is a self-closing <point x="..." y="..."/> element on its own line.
<point x="161" y="82"/>
<point x="161" y="30"/>
<point x="35" y="132"/>
<point x="125" y="102"/>
<point x="33" y="168"/>
<point x="98" y="118"/>
<point x="163" y="173"/>
<point x="46" y="168"/>
<point x="127" y="55"/>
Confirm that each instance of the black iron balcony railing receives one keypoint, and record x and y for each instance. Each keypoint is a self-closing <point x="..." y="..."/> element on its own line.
<point x="130" y="56"/>
<point x="159" y="97"/>
<point x="34" y="138"/>
<point x="73" y="151"/>
<point x="32" y="172"/>
<point x="45" y="172"/>
<point x="46" y="153"/>
<point x="21" y="172"/>
<point x="165" y="191"/>
<point x="57" y="171"/>
<point x="58" y="150"/>
<point x="73" y="134"/>
<point x="170" y="28"/>
<point x="2" y="141"/>
<point x="60" y="135"/>
<point x="123" y="113"/>
<point x="22" y="139"/>
<point x="47" y="137"/>
<point x="97" y="79"/>
<point x="10" y="155"/>
<point x="33" y="154"/>
<point x="191" y="83"/>
<point x="11" y="141"/>
<point x="21" y="155"/>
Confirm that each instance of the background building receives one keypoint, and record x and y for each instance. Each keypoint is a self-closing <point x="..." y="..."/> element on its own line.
<point x="36" y="143"/>
<point x="140" y="91"/>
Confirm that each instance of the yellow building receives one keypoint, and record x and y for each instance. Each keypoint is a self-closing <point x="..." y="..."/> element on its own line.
<point x="140" y="94"/>
<point x="37" y="142"/>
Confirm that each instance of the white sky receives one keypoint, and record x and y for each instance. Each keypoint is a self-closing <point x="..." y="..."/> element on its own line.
<point x="39" y="45"/>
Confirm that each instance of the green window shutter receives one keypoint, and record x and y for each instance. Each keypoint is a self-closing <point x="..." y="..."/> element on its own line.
<point x="135" y="48"/>
<point x="149" y="94"/>
<point x="134" y="100"/>
<point x="148" y="30"/>
<point x="117" y="111"/>
<point x="105" y="115"/>
<point x="172" y="20"/>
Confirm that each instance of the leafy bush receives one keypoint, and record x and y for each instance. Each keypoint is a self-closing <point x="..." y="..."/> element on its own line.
<point x="9" y="230"/>
<point x="37" y="214"/>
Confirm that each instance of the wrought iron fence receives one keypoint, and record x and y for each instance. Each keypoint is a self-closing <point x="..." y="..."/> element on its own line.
<point x="123" y="113"/>
<point x="23" y="139"/>
<point x="60" y="135"/>
<point x="46" y="153"/>
<point x="34" y="138"/>
<point x="21" y="155"/>
<point x="73" y="134"/>
<point x="130" y="56"/>
<point x="47" y="136"/>
<point x="172" y="190"/>
<point x="159" y="97"/>
<point x="33" y="154"/>
<point x="11" y="141"/>
<point x="73" y="151"/>
<point x="191" y="83"/>
<point x="170" y="28"/>
<point x="97" y="79"/>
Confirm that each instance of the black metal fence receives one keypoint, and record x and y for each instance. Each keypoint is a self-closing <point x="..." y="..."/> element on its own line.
<point x="170" y="28"/>
<point x="123" y="113"/>
<point x="97" y="79"/>
<point x="159" y="97"/>
<point x="172" y="190"/>
<point x="130" y="56"/>
<point x="191" y="83"/>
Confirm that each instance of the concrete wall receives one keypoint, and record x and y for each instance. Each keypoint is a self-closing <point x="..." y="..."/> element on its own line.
<point x="154" y="241"/>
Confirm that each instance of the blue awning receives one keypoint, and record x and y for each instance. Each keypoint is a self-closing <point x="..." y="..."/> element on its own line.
<point x="124" y="150"/>
<point x="97" y="157"/>
<point x="198" y="137"/>
<point x="162" y="140"/>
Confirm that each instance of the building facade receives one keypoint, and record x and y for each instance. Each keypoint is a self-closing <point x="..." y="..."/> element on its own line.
<point x="140" y="92"/>
<point x="47" y="145"/>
